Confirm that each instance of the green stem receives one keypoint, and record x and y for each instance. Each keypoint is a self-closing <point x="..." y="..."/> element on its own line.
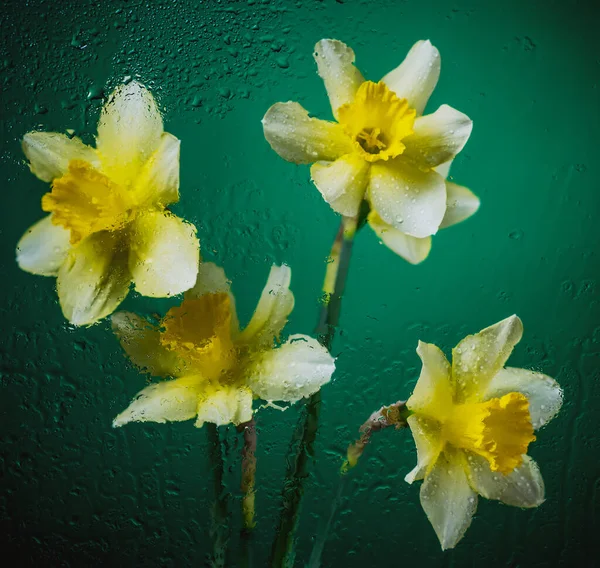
<point x="282" y="551"/>
<point x="247" y="487"/>
<point x="220" y="522"/>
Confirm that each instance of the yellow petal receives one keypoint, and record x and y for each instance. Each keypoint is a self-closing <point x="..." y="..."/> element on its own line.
<point x="94" y="279"/>
<point x="141" y="341"/>
<point x="342" y="183"/>
<point x="411" y="249"/>
<point x="438" y="137"/>
<point x="297" y="369"/>
<point x="409" y="199"/>
<point x="523" y="487"/>
<point x="49" y="153"/>
<point x="429" y="443"/>
<point x="461" y="203"/>
<point x="129" y="131"/>
<point x="416" y="77"/>
<point x="43" y="248"/>
<point x="158" y="181"/>
<point x="167" y="401"/>
<point x="225" y="405"/>
<point x="274" y="306"/>
<point x="432" y="396"/>
<point x="164" y="254"/>
<point x="303" y="140"/>
<point x="335" y="61"/>
<point x="477" y="358"/>
<point x="448" y="500"/>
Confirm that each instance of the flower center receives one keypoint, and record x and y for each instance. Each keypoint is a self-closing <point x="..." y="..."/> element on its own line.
<point x="377" y="121"/>
<point x="500" y="430"/>
<point x="86" y="201"/>
<point x="199" y="331"/>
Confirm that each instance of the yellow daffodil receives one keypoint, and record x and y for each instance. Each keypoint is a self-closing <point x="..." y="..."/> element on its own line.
<point x="107" y="224"/>
<point x="217" y="369"/>
<point x="381" y="148"/>
<point x="472" y="422"/>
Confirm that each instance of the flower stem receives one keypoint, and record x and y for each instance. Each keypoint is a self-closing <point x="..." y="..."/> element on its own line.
<point x="282" y="551"/>
<point x="220" y="522"/>
<point x="247" y="487"/>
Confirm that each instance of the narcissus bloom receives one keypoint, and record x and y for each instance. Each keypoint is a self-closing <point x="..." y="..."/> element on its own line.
<point x="217" y="369"/>
<point x="108" y="224"/>
<point x="381" y="148"/>
<point x="472" y="422"/>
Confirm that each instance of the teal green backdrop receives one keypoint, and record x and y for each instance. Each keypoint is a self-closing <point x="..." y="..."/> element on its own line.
<point x="76" y="492"/>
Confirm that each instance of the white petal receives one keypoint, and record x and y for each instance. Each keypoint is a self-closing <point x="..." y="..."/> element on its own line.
<point x="411" y="249"/>
<point x="274" y="306"/>
<point x="444" y="169"/>
<point x="342" y="183"/>
<point x="129" y="131"/>
<point x="407" y="198"/>
<point x="438" y="137"/>
<point x="141" y="341"/>
<point x="303" y="140"/>
<point x="297" y="369"/>
<point x="43" y="248"/>
<point x="164" y="254"/>
<point x="433" y="392"/>
<point x="478" y="358"/>
<point x="211" y="279"/>
<point x="335" y="61"/>
<point x="427" y="436"/>
<point x="94" y="279"/>
<point x="448" y="500"/>
<point x="417" y="75"/>
<point x="524" y="487"/>
<point x="228" y="405"/>
<point x="167" y="401"/>
<point x="158" y="181"/>
<point x="461" y="203"/>
<point x="543" y="393"/>
<point x="49" y="153"/>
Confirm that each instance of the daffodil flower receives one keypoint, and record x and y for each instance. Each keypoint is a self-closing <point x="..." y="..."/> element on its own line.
<point x="217" y="369"/>
<point x="472" y="422"/>
<point x="381" y="148"/>
<point x="108" y="224"/>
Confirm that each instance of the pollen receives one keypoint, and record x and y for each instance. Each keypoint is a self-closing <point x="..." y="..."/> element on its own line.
<point x="499" y="430"/>
<point x="377" y="121"/>
<point x="86" y="201"/>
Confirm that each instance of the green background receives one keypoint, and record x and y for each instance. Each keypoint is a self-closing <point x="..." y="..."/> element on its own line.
<point x="76" y="492"/>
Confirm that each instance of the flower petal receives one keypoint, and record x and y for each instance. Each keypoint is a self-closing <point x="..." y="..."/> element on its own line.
<point x="409" y="248"/>
<point x="297" y="369"/>
<point x="298" y="138"/>
<point x="49" y="153"/>
<point x="524" y="487"/>
<point x="429" y="442"/>
<point x="274" y="306"/>
<point x="94" y="279"/>
<point x="478" y="358"/>
<point x="164" y="254"/>
<point x="416" y="77"/>
<point x="43" y="248"/>
<point x="444" y="169"/>
<point x="438" y="137"/>
<point x="129" y="131"/>
<point x="167" y="401"/>
<point x="225" y="406"/>
<point x="408" y="198"/>
<point x="141" y="341"/>
<point x="461" y="203"/>
<point x="448" y="499"/>
<point x="335" y="61"/>
<point x="543" y="393"/>
<point x="342" y="183"/>
<point x="433" y="394"/>
<point x="158" y="181"/>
